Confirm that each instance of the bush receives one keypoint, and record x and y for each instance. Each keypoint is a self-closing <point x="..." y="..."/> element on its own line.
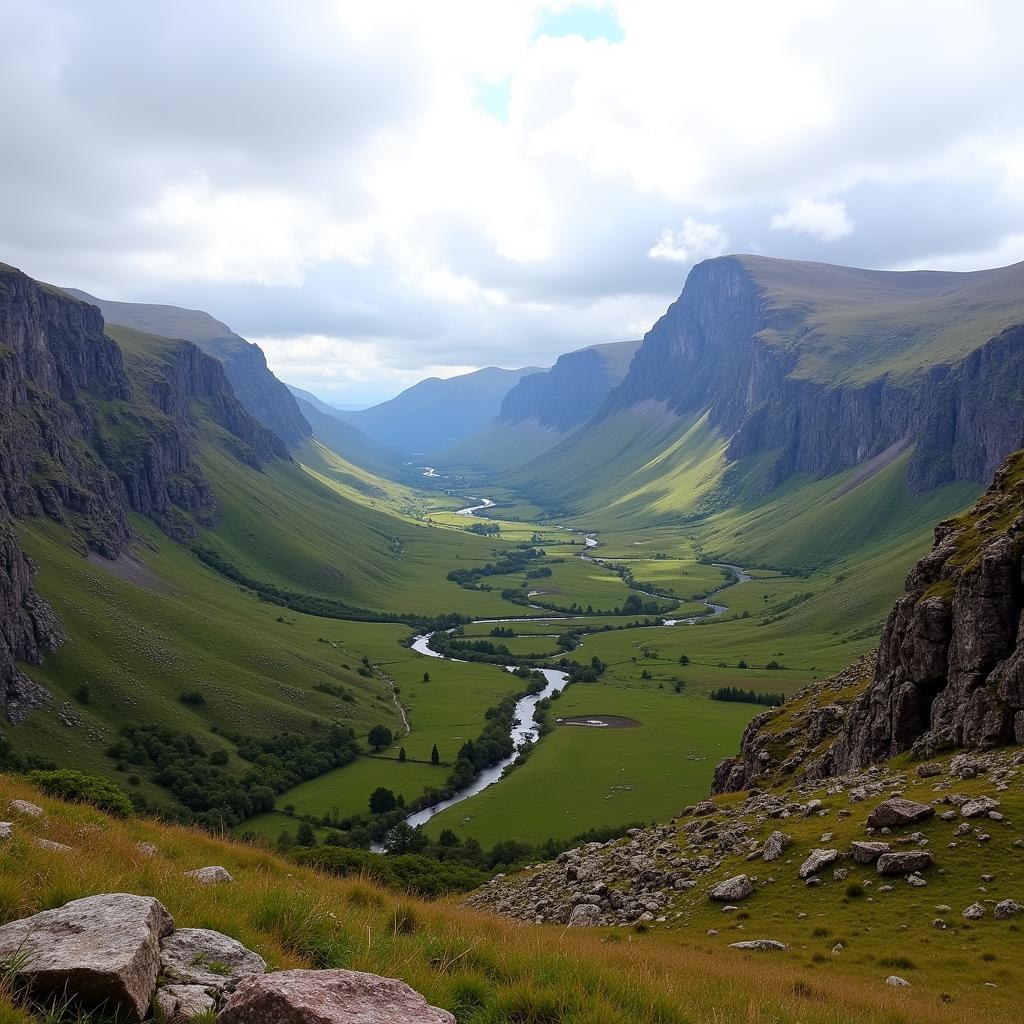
<point x="68" y="784"/>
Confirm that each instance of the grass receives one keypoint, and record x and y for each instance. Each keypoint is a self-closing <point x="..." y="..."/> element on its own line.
<point x="483" y="969"/>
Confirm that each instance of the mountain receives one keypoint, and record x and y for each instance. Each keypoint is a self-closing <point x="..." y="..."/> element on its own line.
<point x="436" y="414"/>
<point x="772" y="381"/>
<point x="325" y="407"/>
<point x="544" y="407"/>
<point x="257" y="388"/>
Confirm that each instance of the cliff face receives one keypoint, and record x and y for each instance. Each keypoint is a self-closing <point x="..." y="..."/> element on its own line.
<point x="572" y="390"/>
<point x="262" y="395"/>
<point x="949" y="671"/>
<point x="758" y="358"/>
<point x="86" y="437"/>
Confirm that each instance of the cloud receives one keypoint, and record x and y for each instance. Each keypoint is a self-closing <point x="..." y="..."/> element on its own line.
<point x="825" y="219"/>
<point x="476" y="182"/>
<point x="693" y="242"/>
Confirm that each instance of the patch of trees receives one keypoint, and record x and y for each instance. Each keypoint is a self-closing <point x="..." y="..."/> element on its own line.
<point x="736" y="695"/>
<point x="485" y="529"/>
<point x="508" y="562"/>
<point x="77" y="787"/>
<point x="213" y="794"/>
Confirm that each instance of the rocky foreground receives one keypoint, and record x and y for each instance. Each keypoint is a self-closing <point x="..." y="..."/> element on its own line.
<point x="862" y="829"/>
<point x="123" y="954"/>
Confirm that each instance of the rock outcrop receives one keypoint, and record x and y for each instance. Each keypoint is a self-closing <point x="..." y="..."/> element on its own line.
<point x="101" y="951"/>
<point x="328" y="997"/>
<point x="831" y="367"/>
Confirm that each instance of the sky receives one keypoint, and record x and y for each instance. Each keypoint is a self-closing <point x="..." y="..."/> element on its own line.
<point x="379" y="192"/>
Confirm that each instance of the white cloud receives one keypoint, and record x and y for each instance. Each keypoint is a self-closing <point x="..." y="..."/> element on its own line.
<point x="825" y="219"/>
<point x="695" y="241"/>
<point x="333" y="174"/>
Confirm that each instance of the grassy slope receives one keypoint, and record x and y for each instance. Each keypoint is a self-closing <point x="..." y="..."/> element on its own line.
<point x="849" y="326"/>
<point x="487" y="971"/>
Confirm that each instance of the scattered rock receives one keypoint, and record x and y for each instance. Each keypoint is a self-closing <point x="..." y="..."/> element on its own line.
<point x="898" y="811"/>
<point x="100" y="950"/>
<point x="183" y="1002"/>
<point x="775" y="845"/>
<point x="864" y="852"/>
<point x="6" y="830"/>
<point x="816" y="860"/>
<point x="212" y="875"/>
<point x="761" y="945"/>
<point x="28" y="809"/>
<point x="147" y="849"/>
<point x="739" y="887"/>
<point x="585" y="915"/>
<point x="902" y="862"/>
<point x="49" y="844"/>
<point x="199" y="956"/>
<point x="929" y="770"/>
<point x="1007" y="908"/>
<point x="897" y="982"/>
<point x="974" y="912"/>
<point x="712" y="933"/>
<point x="976" y="808"/>
<point x="327" y="997"/>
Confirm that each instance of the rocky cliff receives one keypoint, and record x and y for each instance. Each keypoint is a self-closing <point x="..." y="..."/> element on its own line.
<point x="949" y="671"/>
<point x="88" y="436"/>
<point x="572" y="390"/>
<point x="829" y="367"/>
<point x="254" y="384"/>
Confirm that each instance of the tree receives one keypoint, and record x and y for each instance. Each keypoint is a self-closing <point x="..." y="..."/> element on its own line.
<point x="683" y="659"/>
<point x="382" y="801"/>
<point x="447" y="838"/>
<point x="401" y="753"/>
<point x="305" y="835"/>
<point x="435" y="757"/>
<point x="426" y="677"/>
<point x="380" y="737"/>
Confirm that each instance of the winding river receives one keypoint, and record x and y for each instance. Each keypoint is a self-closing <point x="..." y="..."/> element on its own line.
<point x="525" y="728"/>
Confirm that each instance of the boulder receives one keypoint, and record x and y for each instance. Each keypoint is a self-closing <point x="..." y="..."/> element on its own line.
<point x="327" y="997"/>
<point x="1007" y="908"/>
<point x="26" y="808"/>
<point x="199" y="956"/>
<point x="6" y="830"/>
<point x="739" y="887"/>
<point x="817" y="860"/>
<point x="775" y="845"/>
<point x="898" y="811"/>
<point x="177" y="1003"/>
<point x="897" y="982"/>
<point x="974" y="912"/>
<point x="212" y="875"/>
<point x="761" y="945"/>
<point x="903" y="862"/>
<point x="49" y="844"/>
<point x="929" y="770"/>
<point x="584" y="915"/>
<point x="101" y="950"/>
<point x="147" y="849"/>
<point x="864" y="852"/>
<point x="976" y="808"/>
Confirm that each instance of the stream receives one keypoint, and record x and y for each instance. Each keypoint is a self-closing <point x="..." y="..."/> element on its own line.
<point x="525" y="726"/>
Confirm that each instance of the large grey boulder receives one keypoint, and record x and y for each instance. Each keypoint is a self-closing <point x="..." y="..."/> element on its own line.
<point x="26" y="808"/>
<point x="1007" y="908"/>
<point x="212" y="875"/>
<point x="864" y="852"/>
<point x="761" y="945"/>
<point x="976" y="808"/>
<point x="199" y="956"/>
<point x="899" y="811"/>
<point x="178" y="1003"/>
<point x="816" y="860"/>
<point x="739" y="887"/>
<point x="584" y="915"/>
<point x="101" y="950"/>
<point x="775" y="845"/>
<point x="327" y="997"/>
<point x="902" y="862"/>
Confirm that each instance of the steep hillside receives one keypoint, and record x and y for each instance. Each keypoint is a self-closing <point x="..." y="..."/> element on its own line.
<point x="436" y="414"/>
<point x="262" y="394"/>
<point x="543" y="407"/>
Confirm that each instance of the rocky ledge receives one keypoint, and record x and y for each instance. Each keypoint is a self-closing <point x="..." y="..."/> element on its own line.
<point x="122" y="952"/>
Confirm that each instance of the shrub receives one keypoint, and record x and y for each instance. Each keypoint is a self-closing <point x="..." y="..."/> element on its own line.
<point x="69" y="784"/>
